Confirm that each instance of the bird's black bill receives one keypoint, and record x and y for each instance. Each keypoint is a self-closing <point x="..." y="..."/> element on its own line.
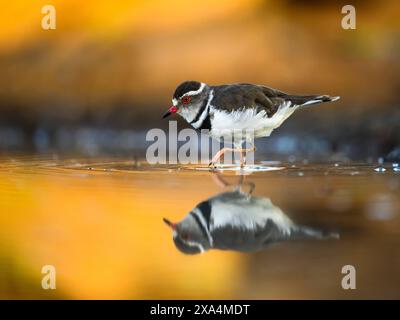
<point x="167" y="114"/>
<point x="171" y="109"/>
<point x="169" y="223"/>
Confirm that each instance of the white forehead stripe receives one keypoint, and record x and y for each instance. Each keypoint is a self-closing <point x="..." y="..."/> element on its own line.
<point x="197" y="245"/>
<point x="189" y="93"/>
<point x="194" y="92"/>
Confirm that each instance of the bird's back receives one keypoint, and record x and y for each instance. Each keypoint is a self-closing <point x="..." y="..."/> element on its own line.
<point x="241" y="96"/>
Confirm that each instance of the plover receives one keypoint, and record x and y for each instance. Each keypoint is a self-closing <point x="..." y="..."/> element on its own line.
<point x="237" y="112"/>
<point x="237" y="220"/>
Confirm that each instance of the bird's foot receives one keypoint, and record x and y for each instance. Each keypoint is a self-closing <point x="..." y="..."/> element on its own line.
<point x="212" y="165"/>
<point x="218" y="155"/>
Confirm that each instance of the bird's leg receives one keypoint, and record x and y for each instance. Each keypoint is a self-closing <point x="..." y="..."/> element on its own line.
<point x="218" y="155"/>
<point x="221" y="152"/>
<point x="252" y="187"/>
<point x="219" y="180"/>
<point x="242" y="158"/>
<point x="242" y="183"/>
<point x="243" y="155"/>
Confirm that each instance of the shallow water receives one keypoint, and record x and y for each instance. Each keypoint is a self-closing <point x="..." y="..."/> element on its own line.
<point x="99" y="222"/>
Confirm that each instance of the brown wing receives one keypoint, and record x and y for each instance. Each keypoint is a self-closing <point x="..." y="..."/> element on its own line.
<point x="244" y="95"/>
<point x="238" y="96"/>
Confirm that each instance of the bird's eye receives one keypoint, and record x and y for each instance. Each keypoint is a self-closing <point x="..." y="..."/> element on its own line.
<point x="185" y="236"/>
<point x="186" y="100"/>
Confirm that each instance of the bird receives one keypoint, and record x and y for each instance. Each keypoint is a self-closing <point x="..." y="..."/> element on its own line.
<point x="236" y="220"/>
<point x="238" y="113"/>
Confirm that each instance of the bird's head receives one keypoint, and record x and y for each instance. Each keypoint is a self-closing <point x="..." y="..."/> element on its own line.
<point x="188" y="236"/>
<point x="188" y="99"/>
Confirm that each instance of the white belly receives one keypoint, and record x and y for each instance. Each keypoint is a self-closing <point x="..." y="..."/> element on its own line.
<point x="249" y="122"/>
<point x="246" y="213"/>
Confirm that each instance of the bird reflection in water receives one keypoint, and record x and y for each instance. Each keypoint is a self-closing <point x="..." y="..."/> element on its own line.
<point x="237" y="220"/>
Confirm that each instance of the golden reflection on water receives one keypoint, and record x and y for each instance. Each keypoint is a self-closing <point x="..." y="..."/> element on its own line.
<point x="99" y="222"/>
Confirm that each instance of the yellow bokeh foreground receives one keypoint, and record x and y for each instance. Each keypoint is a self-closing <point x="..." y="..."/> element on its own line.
<point x="104" y="235"/>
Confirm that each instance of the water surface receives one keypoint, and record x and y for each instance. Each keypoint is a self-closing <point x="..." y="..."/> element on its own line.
<point x="99" y="222"/>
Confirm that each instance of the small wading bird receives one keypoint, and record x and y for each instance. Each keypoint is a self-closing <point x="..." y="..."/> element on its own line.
<point x="224" y="110"/>
<point x="237" y="221"/>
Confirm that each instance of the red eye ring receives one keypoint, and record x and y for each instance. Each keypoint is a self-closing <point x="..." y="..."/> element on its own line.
<point x="186" y="100"/>
<point x="185" y="236"/>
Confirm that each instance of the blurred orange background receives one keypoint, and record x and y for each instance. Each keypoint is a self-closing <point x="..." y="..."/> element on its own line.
<point x="109" y="70"/>
<point x="117" y="63"/>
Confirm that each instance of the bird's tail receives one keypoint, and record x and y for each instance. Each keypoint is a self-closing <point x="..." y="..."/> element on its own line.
<point x="309" y="100"/>
<point x="302" y="233"/>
